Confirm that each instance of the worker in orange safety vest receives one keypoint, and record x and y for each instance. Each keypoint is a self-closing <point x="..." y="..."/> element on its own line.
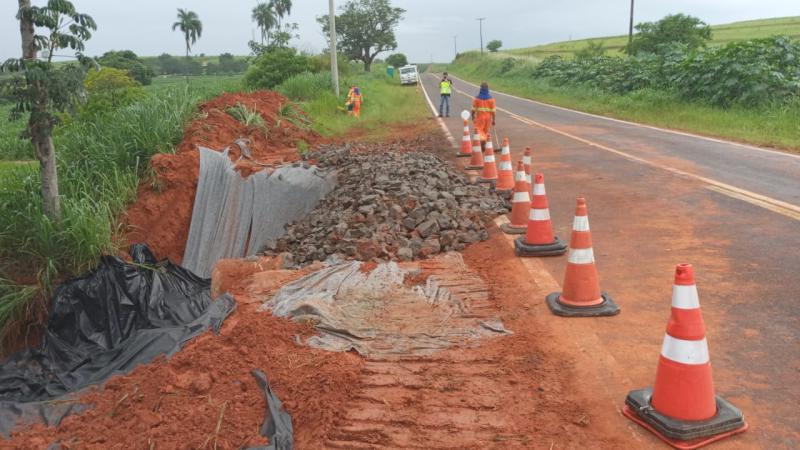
<point x="354" y="101"/>
<point x="484" y="110"/>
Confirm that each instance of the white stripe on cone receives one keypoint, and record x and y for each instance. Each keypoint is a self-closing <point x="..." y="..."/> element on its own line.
<point x="488" y="158"/>
<point x="685" y="352"/>
<point x="528" y="178"/>
<point x="505" y="165"/>
<point x="580" y="223"/>
<point x="538" y="189"/>
<point x="685" y="297"/>
<point x="580" y="256"/>
<point x="519" y="176"/>
<point x="539" y="214"/>
<point x="521" y="197"/>
<point x="506" y="151"/>
<point x="526" y="160"/>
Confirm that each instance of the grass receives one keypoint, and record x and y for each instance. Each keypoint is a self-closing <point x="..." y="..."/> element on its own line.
<point x="386" y="103"/>
<point x="773" y="127"/>
<point x="12" y="148"/>
<point x="721" y="34"/>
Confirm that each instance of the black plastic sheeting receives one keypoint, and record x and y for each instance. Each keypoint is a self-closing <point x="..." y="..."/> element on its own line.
<point x="277" y="424"/>
<point x="104" y="323"/>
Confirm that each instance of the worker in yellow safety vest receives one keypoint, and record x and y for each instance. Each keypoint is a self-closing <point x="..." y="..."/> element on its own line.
<point x="445" y="89"/>
<point x="484" y="109"/>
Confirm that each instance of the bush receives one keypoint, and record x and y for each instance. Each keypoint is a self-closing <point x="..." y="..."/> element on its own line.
<point x="127" y="60"/>
<point x="274" y="67"/>
<point x="652" y="37"/>
<point x="171" y="65"/>
<point x="108" y="89"/>
<point x="494" y="45"/>
<point x="748" y="73"/>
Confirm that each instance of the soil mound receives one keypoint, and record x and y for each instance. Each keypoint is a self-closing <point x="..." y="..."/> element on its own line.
<point x="162" y="213"/>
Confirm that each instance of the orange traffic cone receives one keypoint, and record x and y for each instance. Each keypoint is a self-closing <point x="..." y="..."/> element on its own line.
<point x="489" y="174"/>
<point x="505" y="179"/>
<point x="466" y="142"/>
<point x="539" y="239"/>
<point x="520" y="204"/>
<point x="581" y="296"/>
<point x="476" y="163"/>
<point x="526" y="160"/>
<point x="682" y="408"/>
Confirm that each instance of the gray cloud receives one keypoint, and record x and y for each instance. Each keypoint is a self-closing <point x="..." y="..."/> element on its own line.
<point x="426" y="33"/>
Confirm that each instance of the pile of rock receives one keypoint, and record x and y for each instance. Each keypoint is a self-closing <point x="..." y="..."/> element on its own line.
<point x="387" y="206"/>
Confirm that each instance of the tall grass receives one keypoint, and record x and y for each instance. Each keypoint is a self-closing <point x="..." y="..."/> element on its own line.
<point x="100" y="163"/>
<point x="386" y="102"/>
<point x="12" y="148"/>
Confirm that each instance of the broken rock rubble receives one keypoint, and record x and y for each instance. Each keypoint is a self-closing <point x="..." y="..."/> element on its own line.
<point x="390" y="206"/>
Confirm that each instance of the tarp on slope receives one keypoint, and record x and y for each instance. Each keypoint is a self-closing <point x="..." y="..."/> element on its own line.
<point x="105" y="323"/>
<point x="235" y="217"/>
<point x="378" y="312"/>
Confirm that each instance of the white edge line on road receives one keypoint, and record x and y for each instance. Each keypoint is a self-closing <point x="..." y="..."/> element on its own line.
<point x="438" y="119"/>
<point x="650" y="127"/>
<point x="769" y="203"/>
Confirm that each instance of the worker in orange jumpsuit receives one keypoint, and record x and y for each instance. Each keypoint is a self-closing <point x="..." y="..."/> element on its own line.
<point x="484" y="110"/>
<point x="355" y="99"/>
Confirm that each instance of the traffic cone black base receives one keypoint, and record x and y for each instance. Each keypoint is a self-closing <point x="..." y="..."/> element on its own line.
<point x="508" y="229"/>
<point x="607" y="308"/>
<point x="461" y="155"/>
<point x="555" y="248"/>
<point x="473" y="167"/>
<point x="681" y="434"/>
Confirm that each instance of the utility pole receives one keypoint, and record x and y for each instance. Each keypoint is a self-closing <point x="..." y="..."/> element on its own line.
<point x="455" y="45"/>
<point x="630" y="26"/>
<point x="334" y="62"/>
<point x="480" y="21"/>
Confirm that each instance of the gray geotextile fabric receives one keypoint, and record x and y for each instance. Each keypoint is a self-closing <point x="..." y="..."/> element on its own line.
<point x="383" y="312"/>
<point x="235" y="216"/>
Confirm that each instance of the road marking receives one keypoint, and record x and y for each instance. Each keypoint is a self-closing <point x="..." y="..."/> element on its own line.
<point x="438" y="119"/>
<point x="650" y="127"/>
<point x="768" y="203"/>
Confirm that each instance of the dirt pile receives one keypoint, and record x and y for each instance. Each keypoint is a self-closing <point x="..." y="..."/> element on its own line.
<point x="390" y="206"/>
<point x="162" y="213"/>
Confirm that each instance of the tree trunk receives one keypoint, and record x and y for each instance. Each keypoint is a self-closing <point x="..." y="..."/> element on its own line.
<point x="26" y="32"/>
<point x="46" y="153"/>
<point x="40" y="129"/>
<point x="367" y="65"/>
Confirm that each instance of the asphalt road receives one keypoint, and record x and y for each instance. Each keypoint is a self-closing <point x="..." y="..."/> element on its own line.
<point x="657" y="198"/>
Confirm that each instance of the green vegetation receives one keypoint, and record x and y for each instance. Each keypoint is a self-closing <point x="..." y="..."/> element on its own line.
<point x="12" y="146"/>
<point x="494" y="45"/>
<point x="654" y="37"/>
<point x="127" y="60"/>
<point x="191" y="27"/>
<point x="771" y="125"/>
<point x="397" y="60"/>
<point x="100" y="162"/>
<point x="721" y="34"/>
<point x="274" y="66"/>
<point x="109" y="89"/>
<point x="247" y="117"/>
<point x="386" y="103"/>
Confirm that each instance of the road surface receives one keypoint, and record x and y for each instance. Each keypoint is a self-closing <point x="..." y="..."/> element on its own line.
<point x="657" y="198"/>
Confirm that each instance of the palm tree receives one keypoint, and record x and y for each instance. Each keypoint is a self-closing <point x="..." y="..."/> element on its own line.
<point x="190" y="25"/>
<point x="265" y="18"/>
<point x="282" y="8"/>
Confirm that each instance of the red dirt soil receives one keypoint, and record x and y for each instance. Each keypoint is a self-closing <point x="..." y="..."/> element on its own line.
<point x="162" y="213"/>
<point x="176" y="404"/>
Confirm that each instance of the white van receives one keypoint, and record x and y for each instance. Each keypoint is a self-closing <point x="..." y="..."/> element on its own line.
<point x="409" y="75"/>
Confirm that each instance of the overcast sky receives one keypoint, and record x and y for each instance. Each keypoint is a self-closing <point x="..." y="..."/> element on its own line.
<point x="144" y="26"/>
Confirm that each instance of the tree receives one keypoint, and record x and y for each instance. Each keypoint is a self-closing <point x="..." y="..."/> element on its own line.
<point x="494" y="46"/>
<point x="593" y="49"/>
<point x="266" y="19"/>
<point x="274" y="67"/>
<point x="365" y="28"/>
<point x="127" y="60"/>
<point x="282" y="9"/>
<point x="42" y="90"/>
<point x="108" y="89"/>
<point x="654" y="37"/>
<point x="191" y="27"/>
<point x="397" y="60"/>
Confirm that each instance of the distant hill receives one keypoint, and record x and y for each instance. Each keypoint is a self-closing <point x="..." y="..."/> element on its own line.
<point x="721" y="34"/>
